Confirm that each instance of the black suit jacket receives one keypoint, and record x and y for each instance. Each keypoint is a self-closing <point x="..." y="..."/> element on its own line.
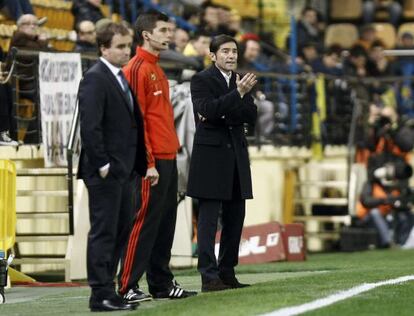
<point x="110" y="131"/>
<point x="220" y="146"/>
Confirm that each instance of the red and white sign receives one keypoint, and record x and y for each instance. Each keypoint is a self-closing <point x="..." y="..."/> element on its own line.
<point x="294" y="242"/>
<point x="259" y="243"/>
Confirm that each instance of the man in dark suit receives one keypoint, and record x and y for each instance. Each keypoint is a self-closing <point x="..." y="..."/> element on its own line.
<point x="219" y="175"/>
<point x="113" y="153"/>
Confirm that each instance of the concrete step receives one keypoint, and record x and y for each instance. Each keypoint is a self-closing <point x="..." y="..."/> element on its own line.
<point x="48" y="193"/>
<point x="41" y="237"/>
<point x="346" y="219"/>
<point x="42" y="215"/>
<point x="323" y="201"/>
<point x="40" y="172"/>
<point x="323" y="235"/>
<point x="323" y="184"/>
<point x="48" y="260"/>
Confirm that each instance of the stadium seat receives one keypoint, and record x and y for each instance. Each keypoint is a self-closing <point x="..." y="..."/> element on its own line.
<point x="344" y="34"/>
<point x="408" y="9"/>
<point x="345" y="10"/>
<point x="386" y="33"/>
<point x="406" y="27"/>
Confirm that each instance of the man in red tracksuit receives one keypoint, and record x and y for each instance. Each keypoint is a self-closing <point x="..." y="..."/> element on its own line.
<point x="151" y="238"/>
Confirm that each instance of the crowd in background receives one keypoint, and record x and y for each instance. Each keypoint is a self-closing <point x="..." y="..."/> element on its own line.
<point x="196" y="21"/>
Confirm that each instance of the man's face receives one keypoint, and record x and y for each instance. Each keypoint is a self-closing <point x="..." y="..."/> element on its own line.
<point x="96" y="3"/>
<point x="407" y="41"/>
<point x="310" y="53"/>
<point x="252" y="51"/>
<point x="211" y="16"/>
<point x="310" y="16"/>
<point x="161" y="36"/>
<point x="369" y="35"/>
<point x="201" y="45"/>
<point x="120" y="50"/>
<point x="330" y="60"/>
<point x="226" y="57"/>
<point x="29" y="24"/>
<point x="87" y="32"/>
<point x="181" y="39"/>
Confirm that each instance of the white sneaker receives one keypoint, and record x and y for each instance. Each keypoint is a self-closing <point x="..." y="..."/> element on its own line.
<point x="5" y="139"/>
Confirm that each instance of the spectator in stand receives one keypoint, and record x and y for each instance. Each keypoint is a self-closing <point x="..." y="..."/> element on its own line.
<point x="28" y="37"/>
<point x="329" y="63"/>
<point x="86" y="42"/>
<point x="356" y="63"/>
<point x="89" y="10"/>
<point x="225" y="16"/>
<point x="378" y="64"/>
<point x="309" y="54"/>
<point x="235" y="25"/>
<point x="367" y="36"/>
<point x="309" y="29"/>
<point x="175" y="56"/>
<point x="199" y="47"/>
<point x="405" y="64"/>
<point x="370" y="7"/>
<point x="16" y="8"/>
<point x="181" y="39"/>
<point x="209" y="21"/>
<point x="191" y="13"/>
<point x="252" y="58"/>
<point x="406" y="41"/>
<point x="6" y="104"/>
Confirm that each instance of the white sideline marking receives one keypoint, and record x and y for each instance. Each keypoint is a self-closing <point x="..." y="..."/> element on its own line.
<point x="322" y="302"/>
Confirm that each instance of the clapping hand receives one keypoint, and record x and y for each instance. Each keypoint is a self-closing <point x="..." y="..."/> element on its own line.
<point x="245" y="84"/>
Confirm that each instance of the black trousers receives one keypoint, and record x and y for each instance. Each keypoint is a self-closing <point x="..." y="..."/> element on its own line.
<point x="111" y="214"/>
<point x="6" y="104"/>
<point x="151" y="238"/>
<point x="233" y="213"/>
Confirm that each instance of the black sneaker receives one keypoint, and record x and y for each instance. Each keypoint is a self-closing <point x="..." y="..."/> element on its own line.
<point x="174" y="292"/>
<point x="135" y="295"/>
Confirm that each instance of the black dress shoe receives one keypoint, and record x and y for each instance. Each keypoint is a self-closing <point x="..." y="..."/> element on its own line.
<point x="234" y="283"/>
<point x="108" y="305"/>
<point x="214" y="285"/>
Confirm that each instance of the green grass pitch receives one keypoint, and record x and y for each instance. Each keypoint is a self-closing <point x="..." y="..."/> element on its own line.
<point x="275" y="286"/>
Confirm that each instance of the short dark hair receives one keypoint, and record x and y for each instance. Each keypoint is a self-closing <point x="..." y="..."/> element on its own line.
<point x="147" y="22"/>
<point x="199" y="33"/>
<point x="105" y="34"/>
<point x="357" y="51"/>
<point x="219" y="40"/>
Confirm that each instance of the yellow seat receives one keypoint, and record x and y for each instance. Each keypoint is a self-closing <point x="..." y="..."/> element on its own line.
<point x="406" y="27"/>
<point x="386" y="33"/>
<point x="344" y="34"/>
<point x="345" y="9"/>
<point x="408" y="9"/>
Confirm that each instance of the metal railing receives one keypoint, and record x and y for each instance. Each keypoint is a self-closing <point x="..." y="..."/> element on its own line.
<point x="277" y="91"/>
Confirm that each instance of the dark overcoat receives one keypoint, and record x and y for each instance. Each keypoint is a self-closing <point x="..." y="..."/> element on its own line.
<point x="220" y="146"/>
<point x="110" y="131"/>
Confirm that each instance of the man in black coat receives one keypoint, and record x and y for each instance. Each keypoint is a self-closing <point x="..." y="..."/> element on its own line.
<point x="113" y="153"/>
<point x="219" y="175"/>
